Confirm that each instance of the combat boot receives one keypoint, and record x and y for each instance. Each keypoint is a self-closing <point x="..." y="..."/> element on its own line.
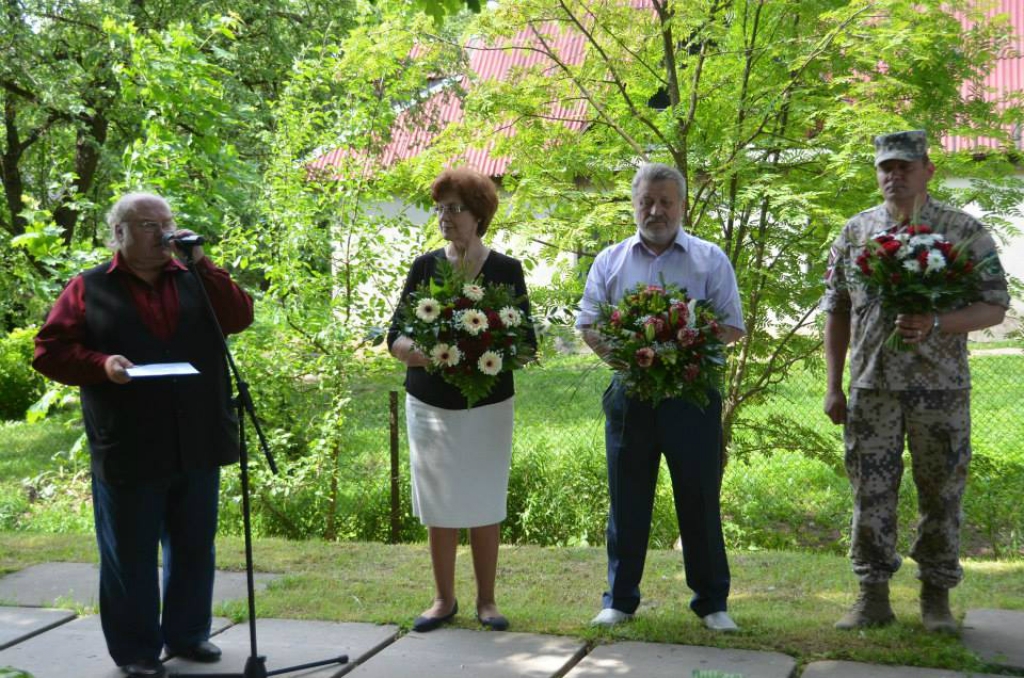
<point x="871" y="608"/>
<point x="935" y="609"/>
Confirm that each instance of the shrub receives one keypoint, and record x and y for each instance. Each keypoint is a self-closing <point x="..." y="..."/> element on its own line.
<point x="20" y="385"/>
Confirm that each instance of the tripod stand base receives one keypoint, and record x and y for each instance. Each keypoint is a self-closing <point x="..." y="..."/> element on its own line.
<point x="256" y="667"/>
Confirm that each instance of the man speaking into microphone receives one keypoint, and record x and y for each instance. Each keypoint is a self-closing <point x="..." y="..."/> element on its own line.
<point x="156" y="443"/>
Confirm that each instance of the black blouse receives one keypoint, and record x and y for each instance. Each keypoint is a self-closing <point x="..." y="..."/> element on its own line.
<point x="498" y="269"/>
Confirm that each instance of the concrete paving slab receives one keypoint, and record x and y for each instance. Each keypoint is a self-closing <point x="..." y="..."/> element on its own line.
<point x="997" y="636"/>
<point x="51" y="584"/>
<point x="74" y="649"/>
<point x="460" y="652"/>
<point x="287" y="643"/>
<point x="832" y="669"/>
<point x="20" y="623"/>
<point x="659" y="660"/>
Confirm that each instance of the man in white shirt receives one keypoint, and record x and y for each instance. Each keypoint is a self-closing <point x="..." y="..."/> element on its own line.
<point x="637" y="433"/>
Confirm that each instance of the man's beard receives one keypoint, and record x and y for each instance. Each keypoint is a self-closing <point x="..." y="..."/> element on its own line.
<point x="658" y="232"/>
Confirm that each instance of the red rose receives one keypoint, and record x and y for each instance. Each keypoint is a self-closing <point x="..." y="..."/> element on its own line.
<point x="891" y="246"/>
<point x="687" y="336"/>
<point x="690" y="372"/>
<point x="463" y="303"/>
<point x="493" y="321"/>
<point x="862" y="262"/>
<point x="616" y="318"/>
<point x="919" y="229"/>
<point x="645" y="356"/>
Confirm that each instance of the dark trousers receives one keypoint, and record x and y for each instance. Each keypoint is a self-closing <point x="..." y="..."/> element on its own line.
<point x="132" y="521"/>
<point x="636" y="435"/>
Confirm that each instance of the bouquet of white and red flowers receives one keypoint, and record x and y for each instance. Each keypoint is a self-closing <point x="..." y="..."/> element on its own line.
<point x="666" y="344"/>
<point x="917" y="271"/>
<point x="470" y="331"/>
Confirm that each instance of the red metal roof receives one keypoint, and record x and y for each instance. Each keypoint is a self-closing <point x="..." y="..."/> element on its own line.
<point x="1007" y="77"/>
<point x="494" y="62"/>
<point x="486" y="62"/>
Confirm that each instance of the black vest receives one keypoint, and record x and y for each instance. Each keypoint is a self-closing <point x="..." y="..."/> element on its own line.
<point x="153" y="427"/>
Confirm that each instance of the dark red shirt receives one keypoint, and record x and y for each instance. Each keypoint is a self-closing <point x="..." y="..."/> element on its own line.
<point x="60" y="353"/>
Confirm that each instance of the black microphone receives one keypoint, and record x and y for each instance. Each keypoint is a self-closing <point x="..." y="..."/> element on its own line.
<point x="184" y="242"/>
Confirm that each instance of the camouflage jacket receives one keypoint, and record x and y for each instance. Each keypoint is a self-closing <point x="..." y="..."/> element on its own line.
<point x="940" y="361"/>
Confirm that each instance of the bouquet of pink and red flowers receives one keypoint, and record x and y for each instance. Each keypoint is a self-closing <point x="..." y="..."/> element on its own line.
<point x="917" y="271"/>
<point x="667" y="345"/>
<point x="470" y="331"/>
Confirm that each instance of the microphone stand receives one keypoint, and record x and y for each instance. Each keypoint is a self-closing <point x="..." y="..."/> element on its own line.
<point x="255" y="665"/>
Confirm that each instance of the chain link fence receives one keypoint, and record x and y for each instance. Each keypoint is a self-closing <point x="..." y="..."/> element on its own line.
<point x="784" y="485"/>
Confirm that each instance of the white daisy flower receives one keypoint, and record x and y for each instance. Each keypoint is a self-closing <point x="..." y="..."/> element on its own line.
<point x="912" y="265"/>
<point x="472" y="292"/>
<point x="926" y="239"/>
<point x="428" y="310"/>
<point x="510" y="316"/>
<point x="474" y="321"/>
<point x="489" y="363"/>
<point x="936" y="262"/>
<point x="443" y="355"/>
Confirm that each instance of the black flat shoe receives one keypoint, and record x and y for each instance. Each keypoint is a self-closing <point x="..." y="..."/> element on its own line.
<point x="424" y="624"/>
<point x="145" y="668"/>
<point x="204" y="651"/>
<point x="496" y="623"/>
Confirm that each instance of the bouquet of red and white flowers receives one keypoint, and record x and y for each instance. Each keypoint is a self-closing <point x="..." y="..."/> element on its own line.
<point x="470" y="331"/>
<point x="666" y="344"/>
<point x="917" y="271"/>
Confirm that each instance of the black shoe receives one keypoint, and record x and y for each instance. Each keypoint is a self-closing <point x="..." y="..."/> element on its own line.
<point x="496" y="623"/>
<point x="145" y="668"/>
<point x="424" y="624"/>
<point x="204" y="651"/>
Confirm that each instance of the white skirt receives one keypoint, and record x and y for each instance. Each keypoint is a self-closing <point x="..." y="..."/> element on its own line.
<point x="459" y="462"/>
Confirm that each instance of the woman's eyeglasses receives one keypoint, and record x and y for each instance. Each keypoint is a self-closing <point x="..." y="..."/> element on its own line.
<point x="450" y="209"/>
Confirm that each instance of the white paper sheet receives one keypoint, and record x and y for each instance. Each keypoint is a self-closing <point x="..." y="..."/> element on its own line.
<point x="161" y="370"/>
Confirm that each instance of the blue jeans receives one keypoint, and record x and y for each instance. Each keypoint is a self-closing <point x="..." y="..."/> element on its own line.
<point x="132" y="521"/>
<point x="636" y="435"/>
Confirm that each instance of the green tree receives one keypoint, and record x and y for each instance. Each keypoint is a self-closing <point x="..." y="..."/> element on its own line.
<point x="768" y="109"/>
<point x="93" y="92"/>
<point x="332" y="251"/>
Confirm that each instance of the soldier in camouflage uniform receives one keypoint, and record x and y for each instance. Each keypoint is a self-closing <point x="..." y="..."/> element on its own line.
<point x="922" y="394"/>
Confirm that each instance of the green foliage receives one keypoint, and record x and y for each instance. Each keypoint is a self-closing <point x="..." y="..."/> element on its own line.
<point x="19" y="383"/>
<point x="183" y="148"/>
<point x="768" y="110"/>
<point x="11" y="672"/>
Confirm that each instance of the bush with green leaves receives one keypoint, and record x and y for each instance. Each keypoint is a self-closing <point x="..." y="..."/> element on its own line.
<point x="20" y="385"/>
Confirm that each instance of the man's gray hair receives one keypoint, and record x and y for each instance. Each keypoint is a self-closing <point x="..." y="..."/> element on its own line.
<point x="124" y="206"/>
<point x="656" y="171"/>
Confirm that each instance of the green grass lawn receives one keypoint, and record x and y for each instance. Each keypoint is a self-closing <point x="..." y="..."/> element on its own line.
<point x="784" y="488"/>
<point x="784" y="601"/>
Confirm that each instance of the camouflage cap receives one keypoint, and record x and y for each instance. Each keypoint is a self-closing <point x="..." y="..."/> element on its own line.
<point x="911" y="145"/>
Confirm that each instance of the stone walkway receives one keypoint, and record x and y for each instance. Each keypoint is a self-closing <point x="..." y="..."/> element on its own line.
<point x="52" y="643"/>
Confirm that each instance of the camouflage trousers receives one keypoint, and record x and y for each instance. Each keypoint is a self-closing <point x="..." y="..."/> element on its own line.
<point x="937" y="427"/>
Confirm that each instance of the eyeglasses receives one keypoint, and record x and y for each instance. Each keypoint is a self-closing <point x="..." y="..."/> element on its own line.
<point x="152" y="226"/>
<point x="450" y="209"/>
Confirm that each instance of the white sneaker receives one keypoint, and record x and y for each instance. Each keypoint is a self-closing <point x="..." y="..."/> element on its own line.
<point x="609" y="616"/>
<point x="720" y="621"/>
